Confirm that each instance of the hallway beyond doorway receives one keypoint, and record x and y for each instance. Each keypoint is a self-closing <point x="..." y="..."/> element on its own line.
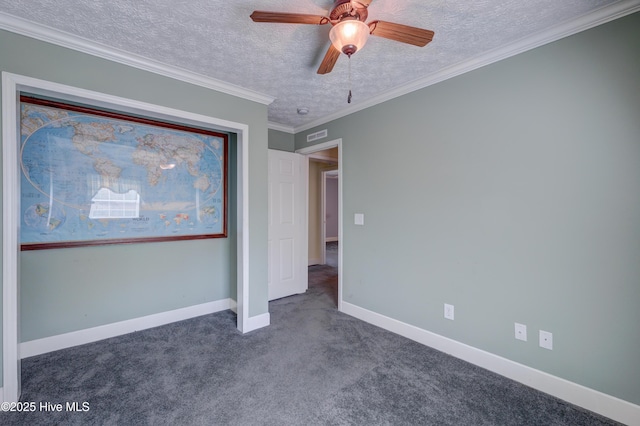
<point x="332" y="254"/>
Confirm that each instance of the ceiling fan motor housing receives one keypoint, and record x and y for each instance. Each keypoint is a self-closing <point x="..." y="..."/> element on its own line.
<point x="345" y="9"/>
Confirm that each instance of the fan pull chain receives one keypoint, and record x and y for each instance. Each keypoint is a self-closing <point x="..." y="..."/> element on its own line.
<point x="349" y="97"/>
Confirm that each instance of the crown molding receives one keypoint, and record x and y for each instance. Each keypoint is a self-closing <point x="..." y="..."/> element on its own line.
<point x="585" y="22"/>
<point x="43" y="33"/>
<point x="280" y="127"/>
<point x="60" y="38"/>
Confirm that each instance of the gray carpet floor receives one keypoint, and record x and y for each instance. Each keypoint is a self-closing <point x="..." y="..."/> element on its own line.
<point x="312" y="366"/>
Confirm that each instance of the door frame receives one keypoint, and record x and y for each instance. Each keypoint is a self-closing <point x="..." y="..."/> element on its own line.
<point x="323" y="202"/>
<point x="12" y="85"/>
<point x="336" y="143"/>
<point x="323" y="212"/>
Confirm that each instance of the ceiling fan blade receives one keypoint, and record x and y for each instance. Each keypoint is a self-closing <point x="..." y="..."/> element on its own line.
<point x="401" y="33"/>
<point x="288" y="18"/>
<point x="329" y="60"/>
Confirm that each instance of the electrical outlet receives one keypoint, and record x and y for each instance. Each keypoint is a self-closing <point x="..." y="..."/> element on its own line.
<point x="546" y="340"/>
<point x="521" y="332"/>
<point x="448" y="311"/>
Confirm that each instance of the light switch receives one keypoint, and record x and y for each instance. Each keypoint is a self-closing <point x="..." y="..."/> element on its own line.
<point x="358" y="218"/>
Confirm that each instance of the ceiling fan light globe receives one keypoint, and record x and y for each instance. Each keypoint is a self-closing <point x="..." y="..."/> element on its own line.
<point x="349" y="36"/>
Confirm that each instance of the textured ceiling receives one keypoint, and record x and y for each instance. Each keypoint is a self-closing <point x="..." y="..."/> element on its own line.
<point x="217" y="39"/>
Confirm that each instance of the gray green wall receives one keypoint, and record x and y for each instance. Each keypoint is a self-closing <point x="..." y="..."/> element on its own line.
<point x="70" y="289"/>
<point x="282" y="141"/>
<point x="513" y="193"/>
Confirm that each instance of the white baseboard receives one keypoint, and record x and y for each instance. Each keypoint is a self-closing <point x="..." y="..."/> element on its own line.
<point x="80" y="337"/>
<point x="256" y="322"/>
<point x="590" y="399"/>
<point x="314" y="262"/>
<point x="330" y="239"/>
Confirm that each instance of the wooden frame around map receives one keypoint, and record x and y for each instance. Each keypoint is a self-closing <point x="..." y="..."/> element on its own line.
<point x="194" y="226"/>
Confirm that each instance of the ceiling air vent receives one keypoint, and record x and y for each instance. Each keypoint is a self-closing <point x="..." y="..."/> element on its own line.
<point x="317" y="135"/>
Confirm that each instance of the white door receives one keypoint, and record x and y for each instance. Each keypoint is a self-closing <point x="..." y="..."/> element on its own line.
<point x="287" y="219"/>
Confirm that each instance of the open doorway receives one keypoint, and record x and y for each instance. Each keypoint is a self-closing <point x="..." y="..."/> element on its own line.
<point x="325" y="251"/>
<point x="322" y="165"/>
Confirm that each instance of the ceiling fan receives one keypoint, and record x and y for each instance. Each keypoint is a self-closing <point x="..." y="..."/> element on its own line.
<point x="349" y="32"/>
